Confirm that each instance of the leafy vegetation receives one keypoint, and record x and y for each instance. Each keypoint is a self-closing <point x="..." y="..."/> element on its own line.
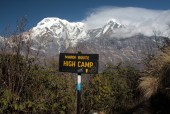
<point x="29" y="88"/>
<point x="111" y="90"/>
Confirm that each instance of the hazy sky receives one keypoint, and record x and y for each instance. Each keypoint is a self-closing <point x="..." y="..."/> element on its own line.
<point x="80" y="10"/>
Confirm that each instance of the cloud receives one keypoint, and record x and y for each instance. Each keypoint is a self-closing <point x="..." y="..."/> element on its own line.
<point x="136" y="20"/>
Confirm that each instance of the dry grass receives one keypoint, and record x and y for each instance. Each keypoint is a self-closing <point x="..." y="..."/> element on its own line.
<point x="148" y="86"/>
<point x="165" y="57"/>
<point x="157" y="75"/>
<point x="101" y="112"/>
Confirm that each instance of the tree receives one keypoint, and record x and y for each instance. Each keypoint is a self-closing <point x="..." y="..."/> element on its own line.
<point x="28" y="87"/>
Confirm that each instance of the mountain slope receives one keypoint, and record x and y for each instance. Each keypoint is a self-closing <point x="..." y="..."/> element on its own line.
<point x="53" y="35"/>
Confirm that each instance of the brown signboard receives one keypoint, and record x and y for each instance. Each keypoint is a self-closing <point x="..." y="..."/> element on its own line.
<point x="78" y="63"/>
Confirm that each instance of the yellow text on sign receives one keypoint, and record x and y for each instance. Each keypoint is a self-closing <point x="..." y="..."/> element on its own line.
<point x="70" y="57"/>
<point x="69" y="63"/>
<point x="83" y="57"/>
<point x="85" y="64"/>
<point x="87" y="70"/>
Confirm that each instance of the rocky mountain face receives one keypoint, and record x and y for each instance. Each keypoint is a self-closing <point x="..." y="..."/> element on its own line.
<point x="53" y="35"/>
<point x="132" y="50"/>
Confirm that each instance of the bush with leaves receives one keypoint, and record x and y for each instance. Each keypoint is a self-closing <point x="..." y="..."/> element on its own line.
<point x="112" y="90"/>
<point x="28" y="88"/>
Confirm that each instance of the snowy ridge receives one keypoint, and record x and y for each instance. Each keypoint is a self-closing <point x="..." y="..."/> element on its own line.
<point x="58" y="28"/>
<point x="73" y="30"/>
<point x="108" y="29"/>
<point x="53" y="35"/>
<point x="60" y="31"/>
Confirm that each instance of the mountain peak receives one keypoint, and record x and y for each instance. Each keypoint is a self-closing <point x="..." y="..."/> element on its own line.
<point x="53" y="21"/>
<point x="113" y="23"/>
<point x="112" y="20"/>
<point x="110" y="27"/>
<point x="57" y="28"/>
<point x="49" y="21"/>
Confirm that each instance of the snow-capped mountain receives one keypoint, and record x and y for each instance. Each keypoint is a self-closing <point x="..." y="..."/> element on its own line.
<point x="107" y="30"/>
<point x="58" y="28"/>
<point x="56" y="35"/>
<point x="73" y="31"/>
<point x="53" y="35"/>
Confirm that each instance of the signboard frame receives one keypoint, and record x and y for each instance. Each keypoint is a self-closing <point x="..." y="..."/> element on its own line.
<point x="78" y="63"/>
